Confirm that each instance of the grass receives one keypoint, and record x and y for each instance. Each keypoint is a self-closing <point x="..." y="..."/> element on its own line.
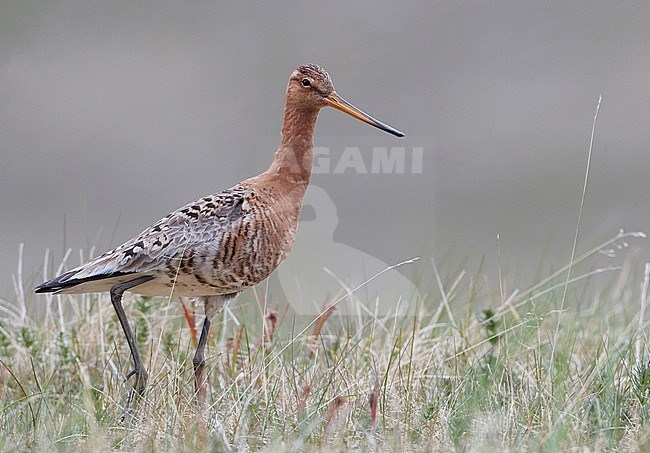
<point x="472" y="369"/>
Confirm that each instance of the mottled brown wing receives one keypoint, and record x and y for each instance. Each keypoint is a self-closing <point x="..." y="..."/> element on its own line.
<point x="196" y="225"/>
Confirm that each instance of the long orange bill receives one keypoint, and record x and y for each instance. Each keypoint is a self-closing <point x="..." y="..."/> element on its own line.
<point x="341" y="104"/>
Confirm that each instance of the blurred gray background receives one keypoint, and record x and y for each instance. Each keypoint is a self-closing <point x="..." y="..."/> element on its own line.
<point x="114" y="113"/>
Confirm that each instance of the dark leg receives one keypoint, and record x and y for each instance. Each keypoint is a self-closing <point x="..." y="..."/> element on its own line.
<point x="138" y="370"/>
<point x="213" y="305"/>
<point x="199" y="363"/>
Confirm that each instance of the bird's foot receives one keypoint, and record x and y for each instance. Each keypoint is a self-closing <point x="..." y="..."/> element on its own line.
<point x="140" y="382"/>
<point x="139" y="385"/>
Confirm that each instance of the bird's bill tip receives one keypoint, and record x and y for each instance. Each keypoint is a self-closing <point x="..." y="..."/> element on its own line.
<point x="336" y="101"/>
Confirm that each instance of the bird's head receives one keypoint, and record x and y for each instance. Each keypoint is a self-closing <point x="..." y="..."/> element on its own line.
<point x="310" y="87"/>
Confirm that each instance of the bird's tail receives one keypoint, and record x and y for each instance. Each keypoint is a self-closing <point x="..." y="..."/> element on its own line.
<point x="68" y="281"/>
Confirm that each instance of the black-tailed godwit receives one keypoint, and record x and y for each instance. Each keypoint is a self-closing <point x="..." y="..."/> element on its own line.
<point x="221" y="244"/>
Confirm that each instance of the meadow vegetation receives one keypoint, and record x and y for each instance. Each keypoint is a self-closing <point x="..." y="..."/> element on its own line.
<point x="479" y="366"/>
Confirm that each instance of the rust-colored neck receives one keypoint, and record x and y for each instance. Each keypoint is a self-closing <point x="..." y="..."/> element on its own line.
<point x="294" y="158"/>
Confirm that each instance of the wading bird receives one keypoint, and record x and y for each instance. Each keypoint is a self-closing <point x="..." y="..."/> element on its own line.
<point x="221" y="244"/>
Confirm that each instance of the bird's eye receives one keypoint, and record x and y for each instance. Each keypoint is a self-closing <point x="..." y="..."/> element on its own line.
<point x="305" y="82"/>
